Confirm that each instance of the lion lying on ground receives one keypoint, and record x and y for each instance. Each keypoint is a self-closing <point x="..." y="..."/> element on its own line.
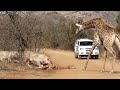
<point x="40" y="60"/>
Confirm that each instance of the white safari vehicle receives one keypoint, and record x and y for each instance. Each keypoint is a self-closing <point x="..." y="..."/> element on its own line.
<point x="82" y="48"/>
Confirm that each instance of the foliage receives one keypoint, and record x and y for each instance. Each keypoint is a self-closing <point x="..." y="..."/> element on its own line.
<point x="118" y="21"/>
<point x="118" y="29"/>
<point x="25" y="30"/>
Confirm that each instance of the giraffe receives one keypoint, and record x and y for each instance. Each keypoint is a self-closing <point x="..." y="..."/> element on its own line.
<point x="104" y="35"/>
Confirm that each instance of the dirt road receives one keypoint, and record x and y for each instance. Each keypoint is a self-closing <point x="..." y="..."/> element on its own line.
<point x="65" y="58"/>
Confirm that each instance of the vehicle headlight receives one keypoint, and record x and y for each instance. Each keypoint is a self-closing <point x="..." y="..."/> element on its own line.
<point x="81" y="48"/>
<point x="96" y="52"/>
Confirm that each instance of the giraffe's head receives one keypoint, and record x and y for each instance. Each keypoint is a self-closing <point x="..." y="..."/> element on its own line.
<point x="80" y="28"/>
<point x="93" y="23"/>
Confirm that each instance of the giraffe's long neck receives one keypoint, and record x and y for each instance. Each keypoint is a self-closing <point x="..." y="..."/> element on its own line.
<point x="88" y="25"/>
<point x="95" y="23"/>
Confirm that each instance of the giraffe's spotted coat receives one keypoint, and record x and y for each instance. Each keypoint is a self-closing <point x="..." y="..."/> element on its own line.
<point x="104" y="35"/>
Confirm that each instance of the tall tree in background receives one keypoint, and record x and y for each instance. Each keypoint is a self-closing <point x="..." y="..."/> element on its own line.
<point x="27" y="30"/>
<point x="14" y="18"/>
<point x="118" y="29"/>
<point x="118" y="21"/>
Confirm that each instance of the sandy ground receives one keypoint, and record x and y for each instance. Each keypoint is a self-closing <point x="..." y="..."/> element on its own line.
<point x="65" y="58"/>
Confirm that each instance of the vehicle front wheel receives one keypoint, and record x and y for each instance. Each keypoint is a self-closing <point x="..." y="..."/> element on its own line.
<point x="96" y="57"/>
<point x="79" y="56"/>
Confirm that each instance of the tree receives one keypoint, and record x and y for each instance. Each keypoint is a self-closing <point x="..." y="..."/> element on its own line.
<point x="27" y="30"/>
<point x="14" y="18"/>
<point x="118" y="22"/>
<point x="118" y="29"/>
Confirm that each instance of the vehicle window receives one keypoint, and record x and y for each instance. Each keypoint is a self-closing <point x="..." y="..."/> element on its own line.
<point x="86" y="43"/>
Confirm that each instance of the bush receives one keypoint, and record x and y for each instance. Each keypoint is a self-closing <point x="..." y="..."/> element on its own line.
<point x="29" y="31"/>
<point x="118" y="29"/>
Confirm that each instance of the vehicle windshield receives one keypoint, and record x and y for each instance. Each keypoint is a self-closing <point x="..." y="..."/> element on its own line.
<point x="86" y="43"/>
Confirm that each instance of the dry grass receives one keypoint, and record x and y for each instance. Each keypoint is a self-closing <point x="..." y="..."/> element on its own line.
<point x="21" y="71"/>
<point x="5" y="66"/>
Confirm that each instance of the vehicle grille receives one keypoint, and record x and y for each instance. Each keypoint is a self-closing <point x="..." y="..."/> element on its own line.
<point x="88" y="49"/>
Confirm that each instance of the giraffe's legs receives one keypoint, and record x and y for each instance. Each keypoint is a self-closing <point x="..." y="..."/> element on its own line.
<point x="113" y="63"/>
<point x="112" y="51"/>
<point x="93" y="47"/>
<point x="105" y="59"/>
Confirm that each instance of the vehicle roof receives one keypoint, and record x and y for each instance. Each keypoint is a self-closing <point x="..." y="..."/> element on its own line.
<point x="85" y="39"/>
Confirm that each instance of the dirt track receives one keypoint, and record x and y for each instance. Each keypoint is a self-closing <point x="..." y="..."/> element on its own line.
<point x="65" y="58"/>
